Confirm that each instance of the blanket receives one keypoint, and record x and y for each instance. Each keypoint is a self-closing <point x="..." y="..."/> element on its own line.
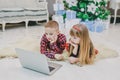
<point x="32" y="44"/>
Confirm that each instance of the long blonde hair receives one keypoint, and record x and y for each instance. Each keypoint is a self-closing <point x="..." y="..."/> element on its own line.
<point x="86" y="51"/>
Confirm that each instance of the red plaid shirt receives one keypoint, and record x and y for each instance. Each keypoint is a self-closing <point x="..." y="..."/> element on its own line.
<point x="51" y="49"/>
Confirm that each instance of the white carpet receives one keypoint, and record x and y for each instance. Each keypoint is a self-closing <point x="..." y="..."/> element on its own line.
<point x="104" y="69"/>
<point x="31" y="44"/>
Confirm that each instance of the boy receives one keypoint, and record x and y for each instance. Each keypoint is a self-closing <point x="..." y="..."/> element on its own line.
<point x="52" y="42"/>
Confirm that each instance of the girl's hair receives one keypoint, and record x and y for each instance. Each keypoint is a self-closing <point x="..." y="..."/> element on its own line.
<point x="86" y="51"/>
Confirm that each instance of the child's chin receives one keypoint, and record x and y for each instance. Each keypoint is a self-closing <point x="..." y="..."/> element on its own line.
<point x="75" y="43"/>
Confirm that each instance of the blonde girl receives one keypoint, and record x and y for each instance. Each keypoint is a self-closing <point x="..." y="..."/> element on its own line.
<point x="81" y="48"/>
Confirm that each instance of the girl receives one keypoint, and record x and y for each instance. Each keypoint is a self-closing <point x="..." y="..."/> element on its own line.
<point x="81" y="48"/>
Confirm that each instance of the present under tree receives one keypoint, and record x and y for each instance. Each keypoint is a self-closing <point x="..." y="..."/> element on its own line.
<point x="88" y="9"/>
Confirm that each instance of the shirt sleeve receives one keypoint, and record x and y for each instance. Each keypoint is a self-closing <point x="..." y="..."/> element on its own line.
<point x="59" y="46"/>
<point x="43" y="48"/>
<point x="62" y="42"/>
<point x="67" y="47"/>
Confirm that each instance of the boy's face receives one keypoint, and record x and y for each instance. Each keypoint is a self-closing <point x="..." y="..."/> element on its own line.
<point x="51" y="33"/>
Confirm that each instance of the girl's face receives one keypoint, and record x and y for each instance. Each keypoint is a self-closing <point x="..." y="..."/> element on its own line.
<point x="75" y="39"/>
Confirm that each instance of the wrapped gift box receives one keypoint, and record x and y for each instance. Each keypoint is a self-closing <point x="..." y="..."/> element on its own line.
<point x="94" y="26"/>
<point x="60" y="21"/>
<point x="58" y="18"/>
<point x="69" y="24"/>
<point x="106" y="24"/>
<point x="58" y="6"/>
<point x="90" y="25"/>
<point x="70" y="14"/>
<point x="62" y="28"/>
<point x="99" y="26"/>
<point x="60" y="12"/>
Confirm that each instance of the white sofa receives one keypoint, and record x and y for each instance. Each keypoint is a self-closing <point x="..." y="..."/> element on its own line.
<point x="15" y="11"/>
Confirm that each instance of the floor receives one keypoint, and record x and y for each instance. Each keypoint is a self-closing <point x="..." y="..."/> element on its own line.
<point x="12" y="34"/>
<point x="108" y="69"/>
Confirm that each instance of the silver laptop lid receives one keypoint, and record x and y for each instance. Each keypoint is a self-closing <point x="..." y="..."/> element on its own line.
<point x="33" y="60"/>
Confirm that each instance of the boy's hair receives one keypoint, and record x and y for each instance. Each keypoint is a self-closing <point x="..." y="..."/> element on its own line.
<point x="52" y="24"/>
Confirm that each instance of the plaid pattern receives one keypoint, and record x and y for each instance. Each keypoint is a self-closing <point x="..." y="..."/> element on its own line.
<point x="51" y="49"/>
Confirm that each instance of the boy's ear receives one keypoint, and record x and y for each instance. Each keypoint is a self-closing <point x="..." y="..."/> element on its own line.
<point x="58" y="32"/>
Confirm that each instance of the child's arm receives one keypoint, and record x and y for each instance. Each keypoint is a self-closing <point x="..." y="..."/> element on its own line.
<point x="59" y="46"/>
<point x="43" y="48"/>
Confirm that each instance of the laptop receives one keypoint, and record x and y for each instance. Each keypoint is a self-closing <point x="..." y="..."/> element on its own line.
<point x="36" y="61"/>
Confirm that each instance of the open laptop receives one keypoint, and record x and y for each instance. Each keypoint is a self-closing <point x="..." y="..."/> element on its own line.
<point x="36" y="61"/>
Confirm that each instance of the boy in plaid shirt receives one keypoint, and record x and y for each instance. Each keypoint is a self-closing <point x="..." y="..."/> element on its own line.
<point x="52" y="42"/>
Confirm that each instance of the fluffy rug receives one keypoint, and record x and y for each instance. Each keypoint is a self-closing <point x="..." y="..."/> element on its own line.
<point x="26" y="43"/>
<point x="33" y="45"/>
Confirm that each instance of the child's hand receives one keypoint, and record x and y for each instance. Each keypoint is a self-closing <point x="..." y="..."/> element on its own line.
<point x="58" y="57"/>
<point x="75" y="47"/>
<point x="72" y="43"/>
<point x="54" y="39"/>
<point x="73" y="60"/>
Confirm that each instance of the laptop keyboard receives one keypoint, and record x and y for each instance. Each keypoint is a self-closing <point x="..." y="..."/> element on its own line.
<point x="51" y="68"/>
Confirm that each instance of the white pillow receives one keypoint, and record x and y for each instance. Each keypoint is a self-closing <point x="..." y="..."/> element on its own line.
<point x="12" y="9"/>
<point x="40" y="0"/>
<point x="11" y="14"/>
<point x="35" y="13"/>
<point x="0" y="10"/>
<point x="26" y="3"/>
<point x="7" y="3"/>
<point x="33" y="8"/>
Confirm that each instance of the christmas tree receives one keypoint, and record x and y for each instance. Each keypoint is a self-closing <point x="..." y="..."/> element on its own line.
<point x="88" y="9"/>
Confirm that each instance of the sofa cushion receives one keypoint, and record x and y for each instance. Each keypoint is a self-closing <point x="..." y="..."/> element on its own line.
<point x="11" y="14"/>
<point x="35" y="13"/>
<point x="40" y="0"/>
<point x="26" y="3"/>
<point x="42" y="5"/>
<point x="12" y="9"/>
<point x="22" y="3"/>
<point x="33" y="9"/>
<point x="7" y="3"/>
<point x="22" y="13"/>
